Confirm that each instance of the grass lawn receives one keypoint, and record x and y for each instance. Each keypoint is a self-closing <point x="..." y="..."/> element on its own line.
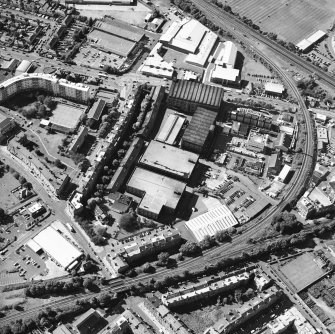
<point x="10" y="299"/>
<point x="7" y="183"/>
<point x="302" y="270"/>
<point x="48" y="144"/>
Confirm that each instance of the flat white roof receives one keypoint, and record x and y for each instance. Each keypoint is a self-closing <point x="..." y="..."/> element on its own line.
<point x="170" y="129"/>
<point x="154" y="64"/>
<point x="284" y="172"/>
<point x="316" y="36"/>
<point x="307" y="42"/>
<point x="35" y="207"/>
<point x="274" y="87"/>
<point x="170" y="32"/>
<point x="56" y="246"/>
<point x="24" y="66"/>
<point x="227" y="55"/>
<point x="321" y="117"/>
<point x="35" y="247"/>
<point x="211" y="222"/>
<point x="189" y="36"/>
<point x="223" y="73"/>
<point x="304" y="44"/>
<point x="205" y="48"/>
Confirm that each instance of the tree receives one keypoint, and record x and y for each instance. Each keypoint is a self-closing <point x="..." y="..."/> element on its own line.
<point x="222" y="236"/>
<point x="48" y="102"/>
<point x="128" y="222"/>
<point x="163" y="258"/>
<point x="207" y="242"/>
<point x="22" y="180"/>
<point x="88" y="283"/>
<point x="189" y="249"/>
<point x="58" y="163"/>
<point x="42" y="111"/>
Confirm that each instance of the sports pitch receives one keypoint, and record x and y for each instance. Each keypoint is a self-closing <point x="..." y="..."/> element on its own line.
<point x="66" y="115"/>
<point x="302" y="271"/>
<point x="291" y="20"/>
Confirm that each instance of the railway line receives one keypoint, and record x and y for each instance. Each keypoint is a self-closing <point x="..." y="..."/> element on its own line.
<point x="229" y="21"/>
<point x="238" y="244"/>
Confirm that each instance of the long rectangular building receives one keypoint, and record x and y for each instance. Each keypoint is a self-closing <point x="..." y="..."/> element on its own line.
<point x="171" y="129"/>
<point x="159" y="193"/>
<point x="169" y="160"/>
<point x="198" y="131"/>
<point x="213" y="221"/>
<point x="188" y="95"/>
<point x="57" y="247"/>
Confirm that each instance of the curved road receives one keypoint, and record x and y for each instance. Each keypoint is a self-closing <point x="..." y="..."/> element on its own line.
<point x="238" y="245"/>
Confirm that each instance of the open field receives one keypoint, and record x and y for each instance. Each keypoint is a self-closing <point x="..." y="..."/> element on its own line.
<point x="131" y="14"/>
<point x="66" y="115"/>
<point x="7" y="183"/>
<point x="302" y="270"/>
<point x="292" y="20"/>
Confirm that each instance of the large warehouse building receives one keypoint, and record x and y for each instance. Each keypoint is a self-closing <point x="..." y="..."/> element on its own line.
<point x="191" y="37"/>
<point x="188" y="95"/>
<point x="160" y="194"/>
<point x="306" y="44"/>
<point x="114" y="36"/>
<point x="169" y="160"/>
<point x="46" y="82"/>
<point x="224" y="71"/>
<point x="56" y="246"/>
<point x="213" y="221"/>
<point x="171" y="128"/>
<point x="197" y="134"/>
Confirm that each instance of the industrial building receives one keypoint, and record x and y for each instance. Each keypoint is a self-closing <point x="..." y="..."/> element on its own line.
<point x="284" y="173"/>
<point x="115" y="36"/>
<point x="24" y="67"/>
<point x="40" y="81"/>
<point x="198" y="133"/>
<point x="56" y="246"/>
<point x="275" y="89"/>
<point x="191" y="37"/>
<point x="257" y="142"/>
<point x="205" y="289"/>
<point x="283" y="142"/>
<point x="96" y="111"/>
<point x="169" y="160"/>
<point x="160" y="194"/>
<point x="252" y="118"/>
<point x="187" y="96"/>
<point x="78" y="141"/>
<point x="306" y="44"/>
<point x="155" y="65"/>
<point x="171" y="128"/>
<point x="322" y="137"/>
<point x="224" y="71"/>
<point x="213" y="221"/>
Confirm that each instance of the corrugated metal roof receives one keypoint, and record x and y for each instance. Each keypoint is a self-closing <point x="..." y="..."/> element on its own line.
<point x="199" y="127"/>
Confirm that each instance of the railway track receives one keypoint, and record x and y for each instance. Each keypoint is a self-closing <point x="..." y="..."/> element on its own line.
<point x="238" y="244"/>
<point x="230" y="21"/>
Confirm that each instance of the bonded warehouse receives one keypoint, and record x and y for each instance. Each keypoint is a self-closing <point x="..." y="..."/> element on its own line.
<point x="186" y="96"/>
<point x="200" y="131"/>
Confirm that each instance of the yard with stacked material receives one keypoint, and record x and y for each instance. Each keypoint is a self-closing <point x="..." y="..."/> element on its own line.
<point x="291" y="20"/>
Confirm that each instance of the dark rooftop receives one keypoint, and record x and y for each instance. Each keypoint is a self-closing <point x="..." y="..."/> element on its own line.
<point x="97" y="109"/>
<point x="196" y="92"/>
<point x="199" y="127"/>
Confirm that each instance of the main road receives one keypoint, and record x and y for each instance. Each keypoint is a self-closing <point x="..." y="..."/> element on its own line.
<point x="238" y="244"/>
